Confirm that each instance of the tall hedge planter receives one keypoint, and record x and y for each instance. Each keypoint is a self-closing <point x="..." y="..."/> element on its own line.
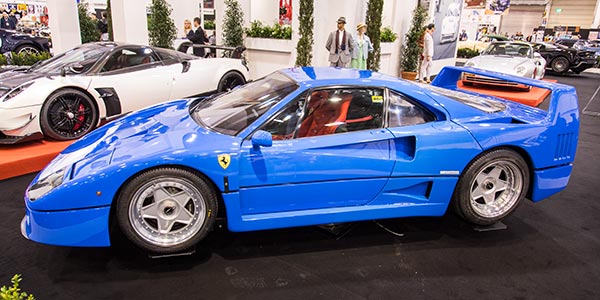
<point x="87" y="27"/>
<point x="374" y="13"/>
<point x="109" y="21"/>
<point x="306" y="41"/>
<point x="233" y="30"/>
<point x="411" y="49"/>
<point x="161" y="28"/>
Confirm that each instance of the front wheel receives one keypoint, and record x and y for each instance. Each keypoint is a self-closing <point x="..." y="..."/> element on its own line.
<point x="492" y="186"/>
<point x="229" y="81"/>
<point x="68" y="114"/>
<point x="166" y="210"/>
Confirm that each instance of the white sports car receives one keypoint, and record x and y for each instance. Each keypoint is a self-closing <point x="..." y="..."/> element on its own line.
<point x="450" y="24"/>
<point x="70" y="94"/>
<point x="514" y="58"/>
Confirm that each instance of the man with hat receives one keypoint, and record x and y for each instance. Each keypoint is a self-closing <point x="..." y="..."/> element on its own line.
<point x="339" y="44"/>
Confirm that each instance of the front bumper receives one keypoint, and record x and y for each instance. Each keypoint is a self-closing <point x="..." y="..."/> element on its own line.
<point x="74" y="228"/>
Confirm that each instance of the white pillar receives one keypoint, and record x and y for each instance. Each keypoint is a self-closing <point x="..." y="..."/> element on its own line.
<point x="129" y="20"/>
<point x="64" y="23"/>
<point x="596" y="22"/>
<point x="183" y="10"/>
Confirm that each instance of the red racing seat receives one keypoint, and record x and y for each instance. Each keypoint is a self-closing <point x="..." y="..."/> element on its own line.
<point x="326" y="117"/>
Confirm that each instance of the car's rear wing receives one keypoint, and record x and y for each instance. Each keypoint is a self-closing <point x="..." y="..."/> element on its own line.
<point x="231" y="52"/>
<point x="563" y="98"/>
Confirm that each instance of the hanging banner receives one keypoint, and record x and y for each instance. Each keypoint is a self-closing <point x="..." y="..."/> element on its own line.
<point x="285" y="12"/>
<point x="497" y="7"/>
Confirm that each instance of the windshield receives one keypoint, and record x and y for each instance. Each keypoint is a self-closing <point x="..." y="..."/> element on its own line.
<point x="232" y="112"/>
<point x="478" y="102"/>
<point x="86" y="56"/>
<point x="509" y="49"/>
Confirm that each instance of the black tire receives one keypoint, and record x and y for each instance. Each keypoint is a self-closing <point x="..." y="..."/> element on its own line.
<point x="560" y="64"/>
<point x="27" y="48"/>
<point x="68" y="114"/>
<point x="230" y="80"/>
<point x="144" y="230"/>
<point x="478" y="178"/>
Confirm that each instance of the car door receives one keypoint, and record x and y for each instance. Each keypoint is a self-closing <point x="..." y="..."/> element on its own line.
<point x="189" y="74"/>
<point x="329" y="150"/>
<point x="131" y="78"/>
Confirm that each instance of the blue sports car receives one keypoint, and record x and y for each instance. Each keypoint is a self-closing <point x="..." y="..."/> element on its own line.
<point x="300" y="147"/>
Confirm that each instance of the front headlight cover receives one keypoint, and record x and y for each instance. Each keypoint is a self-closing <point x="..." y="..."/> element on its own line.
<point x="46" y="184"/>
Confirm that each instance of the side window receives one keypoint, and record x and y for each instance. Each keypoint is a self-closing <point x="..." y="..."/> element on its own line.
<point x="403" y="112"/>
<point x="329" y="111"/>
<point x="283" y="126"/>
<point x="167" y="57"/>
<point x="129" y="57"/>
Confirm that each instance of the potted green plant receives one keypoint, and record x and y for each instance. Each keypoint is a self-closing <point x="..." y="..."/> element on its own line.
<point x="411" y="50"/>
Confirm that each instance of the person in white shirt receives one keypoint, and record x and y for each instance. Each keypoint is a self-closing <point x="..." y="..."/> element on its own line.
<point x="427" y="53"/>
<point x="340" y="44"/>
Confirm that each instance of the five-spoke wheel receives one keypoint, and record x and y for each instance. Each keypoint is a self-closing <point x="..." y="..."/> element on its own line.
<point x="166" y="210"/>
<point x="68" y="114"/>
<point x="492" y="187"/>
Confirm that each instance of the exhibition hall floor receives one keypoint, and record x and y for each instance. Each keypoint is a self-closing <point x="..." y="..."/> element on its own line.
<point x="550" y="250"/>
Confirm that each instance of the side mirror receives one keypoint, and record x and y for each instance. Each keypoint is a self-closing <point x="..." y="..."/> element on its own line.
<point x="262" y="138"/>
<point x="537" y="55"/>
<point x="76" y="68"/>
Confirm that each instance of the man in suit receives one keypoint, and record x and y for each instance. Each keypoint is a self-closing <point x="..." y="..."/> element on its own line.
<point x="198" y="37"/>
<point x="339" y="44"/>
<point x="427" y="53"/>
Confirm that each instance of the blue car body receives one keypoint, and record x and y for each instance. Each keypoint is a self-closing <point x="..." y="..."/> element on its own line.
<point x="371" y="174"/>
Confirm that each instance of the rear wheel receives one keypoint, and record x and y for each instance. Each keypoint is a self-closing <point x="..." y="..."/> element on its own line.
<point x="166" y="210"/>
<point x="492" y="186"/>
<point x="68" y="114"/>
<point x="229" y="81"/>
<point x="560" y="64"/>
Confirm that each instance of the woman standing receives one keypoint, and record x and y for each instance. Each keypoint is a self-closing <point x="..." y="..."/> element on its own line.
<point x="187" y="27"/>
<point x="362" y="47"/>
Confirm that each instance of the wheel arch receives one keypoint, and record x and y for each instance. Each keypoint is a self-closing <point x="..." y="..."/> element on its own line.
<point x="27" y="43"/>
<point x="74" y="87"/>
<point x="521" y="152"/>
<point x="112" y="223"/>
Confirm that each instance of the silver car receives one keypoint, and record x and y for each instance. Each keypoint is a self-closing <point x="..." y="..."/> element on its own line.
<point x="514" y="58"/>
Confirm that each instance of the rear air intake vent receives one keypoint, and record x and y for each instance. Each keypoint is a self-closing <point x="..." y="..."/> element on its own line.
<point x="564" y="146"/>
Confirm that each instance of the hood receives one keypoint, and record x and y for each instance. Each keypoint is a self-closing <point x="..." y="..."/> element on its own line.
<point x="162" y="132"/>
<point x="503" y="64"/>
<point x="12" y="79"/>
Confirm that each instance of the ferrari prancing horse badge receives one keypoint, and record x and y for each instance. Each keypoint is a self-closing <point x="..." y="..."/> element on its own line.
<point x="224" y="160"/>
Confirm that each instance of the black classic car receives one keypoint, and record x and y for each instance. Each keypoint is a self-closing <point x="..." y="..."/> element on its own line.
<point x="13" y="41"/>
<point x="561" y="59"/>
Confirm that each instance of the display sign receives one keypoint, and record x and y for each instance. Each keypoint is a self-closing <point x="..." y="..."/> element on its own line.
<point x="475" y="3"/>
<point x="209" y="4"/>
<point x="285" y="12"/>
<point x="497" y="7"/>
